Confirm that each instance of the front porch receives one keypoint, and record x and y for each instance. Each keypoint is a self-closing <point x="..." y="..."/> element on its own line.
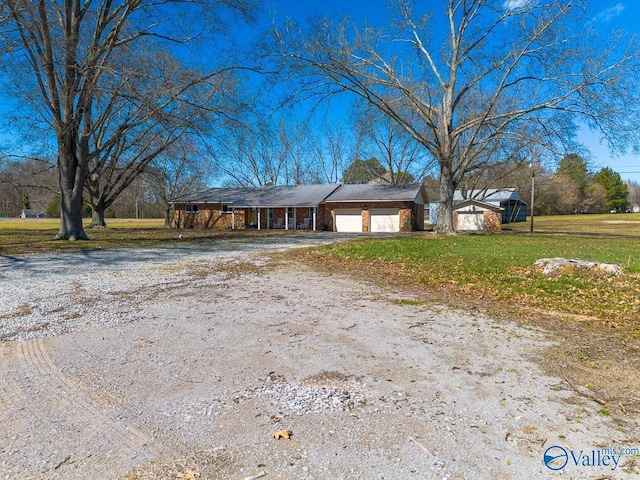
<point x="287" y="218"/>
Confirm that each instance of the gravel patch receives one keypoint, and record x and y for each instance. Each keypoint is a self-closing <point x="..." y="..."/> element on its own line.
<point x="146" y="363"/>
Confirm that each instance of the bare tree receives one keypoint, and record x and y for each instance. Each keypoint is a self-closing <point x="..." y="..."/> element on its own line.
<point x="330" y="149"/>
<point x="179" y="168"/>
<point x="404" y="159"/>
<point x="33" y="177"/>
<point x="114" y="166"/>
<point x="491" y="76"/>
<point x="266" y="149"/>
<point x="634" y="194"/>
<point x="72" y="63"/>
<point x="250" y="154"/>
<point x="557" y="195"/>
<point x="595" y="198"/>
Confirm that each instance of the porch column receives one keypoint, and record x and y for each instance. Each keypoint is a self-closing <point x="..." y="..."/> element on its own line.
<point x="258" y="218"/>
<point x="233" y="218"/>
<point x="286" y="218"/>
<point x="315" y="214"/>
<point x="295" y="217"/>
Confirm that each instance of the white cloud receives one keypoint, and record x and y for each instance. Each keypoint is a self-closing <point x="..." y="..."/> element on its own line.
<point x="610" y="13"/>
<point x="515" y="4"/>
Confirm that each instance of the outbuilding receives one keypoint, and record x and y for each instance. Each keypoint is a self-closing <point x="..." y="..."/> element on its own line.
<point x="476" y="216"/>
<point x="514" y="209"/>
<point x="30" y="213"/>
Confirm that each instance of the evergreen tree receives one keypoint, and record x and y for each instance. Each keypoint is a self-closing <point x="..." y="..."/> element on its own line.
<point x="576" y="168"/>
<point x="616" y="190"/>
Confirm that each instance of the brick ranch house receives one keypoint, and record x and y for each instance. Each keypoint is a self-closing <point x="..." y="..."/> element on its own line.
<point x="340" y="208"/>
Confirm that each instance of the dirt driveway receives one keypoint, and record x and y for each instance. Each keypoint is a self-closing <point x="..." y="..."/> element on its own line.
<point x="146" y="364"/>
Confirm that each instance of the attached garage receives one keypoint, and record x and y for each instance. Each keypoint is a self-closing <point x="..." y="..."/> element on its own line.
<point x="377" y="208"/>
<point x="385" y="219"/>
<point x="348" y="220"/>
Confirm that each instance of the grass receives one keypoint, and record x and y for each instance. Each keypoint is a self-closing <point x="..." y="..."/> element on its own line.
<point x="28" y="236"/>
<point x="609" y="225"/>
<point x="499" y="268"/>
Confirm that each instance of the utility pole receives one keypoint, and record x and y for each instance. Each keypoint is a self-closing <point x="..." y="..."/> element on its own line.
<point x="533" y="188"/>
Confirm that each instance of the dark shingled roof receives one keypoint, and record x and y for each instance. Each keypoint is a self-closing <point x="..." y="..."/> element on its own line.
<point x="274" y="197"/>
<point x="380" y="193"/>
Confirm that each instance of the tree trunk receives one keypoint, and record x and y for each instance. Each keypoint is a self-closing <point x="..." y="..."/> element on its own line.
<point x="97" y="216"/>
<point x="168" y="217"/>
<point x="444" y="223"/>
<point x="71" y="179"/>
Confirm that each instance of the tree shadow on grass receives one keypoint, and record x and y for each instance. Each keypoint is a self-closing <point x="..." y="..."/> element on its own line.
<point x="83" y="261"/>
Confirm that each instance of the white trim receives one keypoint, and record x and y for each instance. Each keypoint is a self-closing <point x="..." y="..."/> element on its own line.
<point x="315" y="214"/>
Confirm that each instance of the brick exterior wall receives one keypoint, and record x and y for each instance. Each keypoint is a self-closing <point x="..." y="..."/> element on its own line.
<point x="406" y="223"/>
<point x="418" y="217"/>
<point x="492" y="221"/>
<point x="209" y="215"/>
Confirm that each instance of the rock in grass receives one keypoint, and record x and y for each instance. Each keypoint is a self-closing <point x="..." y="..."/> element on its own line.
<point x="555" y="267"/>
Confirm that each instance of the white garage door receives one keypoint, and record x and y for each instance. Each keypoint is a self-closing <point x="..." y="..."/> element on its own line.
<point x="385" y="220"/>
<point x="471" y="221"/>
<point x="349" y="220"/>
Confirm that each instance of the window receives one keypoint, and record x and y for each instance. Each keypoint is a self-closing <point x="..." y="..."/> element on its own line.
<point x="227" y="209"/>
<point x="191" y="208"/>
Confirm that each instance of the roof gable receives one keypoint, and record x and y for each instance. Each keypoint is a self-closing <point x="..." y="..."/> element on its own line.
<point x="472" y="201"/>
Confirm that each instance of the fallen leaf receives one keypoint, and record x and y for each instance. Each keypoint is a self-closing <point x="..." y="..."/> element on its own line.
<point x="188" y="475"/>
<point x="282" y="434"/>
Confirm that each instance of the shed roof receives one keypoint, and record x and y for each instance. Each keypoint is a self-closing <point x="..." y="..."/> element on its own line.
<point x="491" y="195"/>
<point x="272" y="197"/>
<point x="32" y="213"/>
<point x="413" y="192"/>
<point x="472" y="201"/>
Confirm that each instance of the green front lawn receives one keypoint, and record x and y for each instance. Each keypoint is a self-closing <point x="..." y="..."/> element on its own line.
<point x="499" y="267"/>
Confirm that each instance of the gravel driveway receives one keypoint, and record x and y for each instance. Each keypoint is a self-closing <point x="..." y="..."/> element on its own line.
<point x="148" y="363"/>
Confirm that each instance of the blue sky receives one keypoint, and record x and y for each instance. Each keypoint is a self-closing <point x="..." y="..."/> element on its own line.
<point x="623" y="15"/>
<point x="607" y="14"/>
